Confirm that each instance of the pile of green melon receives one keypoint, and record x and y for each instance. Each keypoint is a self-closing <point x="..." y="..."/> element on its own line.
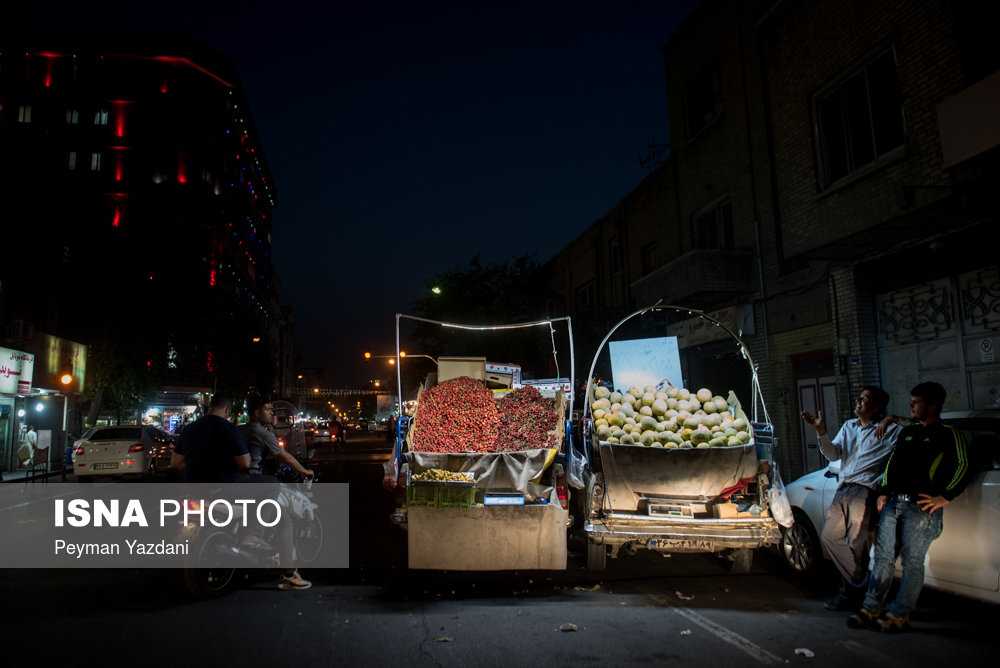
<point x="676" y="418"/>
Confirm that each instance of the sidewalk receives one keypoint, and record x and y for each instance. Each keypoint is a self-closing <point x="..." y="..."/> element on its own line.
<point x="18" y="475"/>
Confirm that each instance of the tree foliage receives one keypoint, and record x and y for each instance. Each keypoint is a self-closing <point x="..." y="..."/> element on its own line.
<point x="496" y="293"/>
<point x="117" y="377"/>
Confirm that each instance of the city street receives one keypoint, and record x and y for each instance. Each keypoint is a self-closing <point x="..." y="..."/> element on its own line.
<point x="643" y="609"/>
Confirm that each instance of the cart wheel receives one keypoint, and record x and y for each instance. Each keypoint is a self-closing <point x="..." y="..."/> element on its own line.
<point x="742" y="561"/>
<point x="597" y="556"/>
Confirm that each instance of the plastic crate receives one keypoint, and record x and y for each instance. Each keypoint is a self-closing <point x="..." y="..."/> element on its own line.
<point x="441" y="495"/>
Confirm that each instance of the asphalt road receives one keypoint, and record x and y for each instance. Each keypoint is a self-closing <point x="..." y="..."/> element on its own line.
<point x="644" y="609"/>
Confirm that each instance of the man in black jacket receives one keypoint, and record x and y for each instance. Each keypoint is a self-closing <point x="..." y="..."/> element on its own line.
<point x="928" y="467"/>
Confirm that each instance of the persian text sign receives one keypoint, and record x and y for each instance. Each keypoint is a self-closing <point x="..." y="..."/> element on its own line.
<point x="16" y="369"/>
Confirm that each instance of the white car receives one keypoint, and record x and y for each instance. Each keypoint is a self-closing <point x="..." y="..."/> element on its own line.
<point x="965" y="559"/>
<point x="78" y="442"/>
<point x="125" y="450"/>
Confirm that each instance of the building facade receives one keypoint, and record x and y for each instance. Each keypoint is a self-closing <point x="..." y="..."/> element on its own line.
<point x="137" y="206"/>
<point x="830" y="173"/>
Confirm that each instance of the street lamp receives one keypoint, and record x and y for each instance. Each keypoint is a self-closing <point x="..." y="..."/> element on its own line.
<point x="403" y="354"/>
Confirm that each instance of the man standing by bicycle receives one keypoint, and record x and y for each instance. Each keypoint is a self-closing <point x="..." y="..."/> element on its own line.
<point x="264" y="447"/>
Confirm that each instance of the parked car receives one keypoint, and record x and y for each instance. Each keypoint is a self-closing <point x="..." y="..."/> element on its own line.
<point x="71" y="456"/>
<point x="965" y="559"/>
<point x="124" y="450"/>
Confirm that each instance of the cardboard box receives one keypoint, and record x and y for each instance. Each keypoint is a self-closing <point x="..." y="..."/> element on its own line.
<point x="725" y="511"/>
<point x="729" y="511"/>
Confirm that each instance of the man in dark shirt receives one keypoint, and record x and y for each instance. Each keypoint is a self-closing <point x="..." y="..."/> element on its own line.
<point x="928" y="467"/>
<point x="211" y="449"/>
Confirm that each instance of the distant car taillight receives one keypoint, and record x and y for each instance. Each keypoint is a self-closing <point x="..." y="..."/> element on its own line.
<point x="138" y="447"/>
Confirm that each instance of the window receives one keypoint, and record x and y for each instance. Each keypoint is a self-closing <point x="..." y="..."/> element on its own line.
<point x="95" y="162"/>
<point x="71" y="162"/>
<point x="101" y="117"/>
<point x="24" y="114"/>
<point x="703" y="99"/>
<point x="72" y="116"/>
<point x="586" y="296"/>
<point x="712" y="227"/>
<point x="647" y="258"/>
<point x="614" y="256"/>
<point x="859" y="119"/>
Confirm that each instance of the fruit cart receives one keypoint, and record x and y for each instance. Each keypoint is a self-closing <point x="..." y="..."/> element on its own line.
<point x="479" y="466"/>
<point x="677" y="463"/>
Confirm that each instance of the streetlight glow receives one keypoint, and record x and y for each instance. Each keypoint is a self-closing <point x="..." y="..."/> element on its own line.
<point x="436" y="290"/>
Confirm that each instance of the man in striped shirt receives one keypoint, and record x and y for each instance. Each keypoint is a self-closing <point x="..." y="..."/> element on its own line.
<point x="862" y="446"/>
<point x="928" y="467"/>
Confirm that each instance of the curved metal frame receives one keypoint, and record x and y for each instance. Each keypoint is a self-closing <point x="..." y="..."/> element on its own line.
<point x="519" y="325"/>
<point x="744" y="350"/>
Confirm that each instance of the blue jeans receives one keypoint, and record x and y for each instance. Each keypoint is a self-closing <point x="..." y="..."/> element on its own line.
<point x="905" y="526"/>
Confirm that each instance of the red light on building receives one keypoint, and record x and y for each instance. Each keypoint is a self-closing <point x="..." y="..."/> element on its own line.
<point x="119" y="114"/>
<point x="182" y="176"/>
<point x="118" y="202"/>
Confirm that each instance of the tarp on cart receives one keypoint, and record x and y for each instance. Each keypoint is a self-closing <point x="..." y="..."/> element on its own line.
<point x="500" y="471"/>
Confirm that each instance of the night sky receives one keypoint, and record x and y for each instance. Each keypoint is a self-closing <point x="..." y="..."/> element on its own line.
<point x="405" y="138"/>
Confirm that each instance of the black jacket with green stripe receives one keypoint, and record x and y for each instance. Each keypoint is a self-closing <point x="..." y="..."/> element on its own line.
<point x="930" y="459"/>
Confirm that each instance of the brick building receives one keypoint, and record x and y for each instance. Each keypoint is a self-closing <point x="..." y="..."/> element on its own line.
<point x="829" y="174"/>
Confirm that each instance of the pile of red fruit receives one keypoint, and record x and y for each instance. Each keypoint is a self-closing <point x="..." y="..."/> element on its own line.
<point x="458" y="415"/>
<point x="461" y="415"/>
<point x="527" y="420"/>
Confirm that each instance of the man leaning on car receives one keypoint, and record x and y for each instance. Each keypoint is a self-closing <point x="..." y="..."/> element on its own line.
<point x="863" y="446"/>
<point x="927" y="469"/>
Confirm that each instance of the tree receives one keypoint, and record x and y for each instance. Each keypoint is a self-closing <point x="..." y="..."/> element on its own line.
<point x="117" y="378"/>
<point x="497" y="293"/>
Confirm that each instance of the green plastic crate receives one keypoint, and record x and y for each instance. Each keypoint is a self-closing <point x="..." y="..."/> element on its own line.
<point x="441" y="495"/>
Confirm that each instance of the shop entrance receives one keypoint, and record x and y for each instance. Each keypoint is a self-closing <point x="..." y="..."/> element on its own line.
<point x="46" y="413"/>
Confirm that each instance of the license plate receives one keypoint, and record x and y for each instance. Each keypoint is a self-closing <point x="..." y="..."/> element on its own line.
<point x="105" y="466"/>
<point x="681" y="544"/>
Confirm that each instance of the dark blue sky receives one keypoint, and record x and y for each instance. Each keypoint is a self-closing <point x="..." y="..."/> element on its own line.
<point x="405" y="137"/>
